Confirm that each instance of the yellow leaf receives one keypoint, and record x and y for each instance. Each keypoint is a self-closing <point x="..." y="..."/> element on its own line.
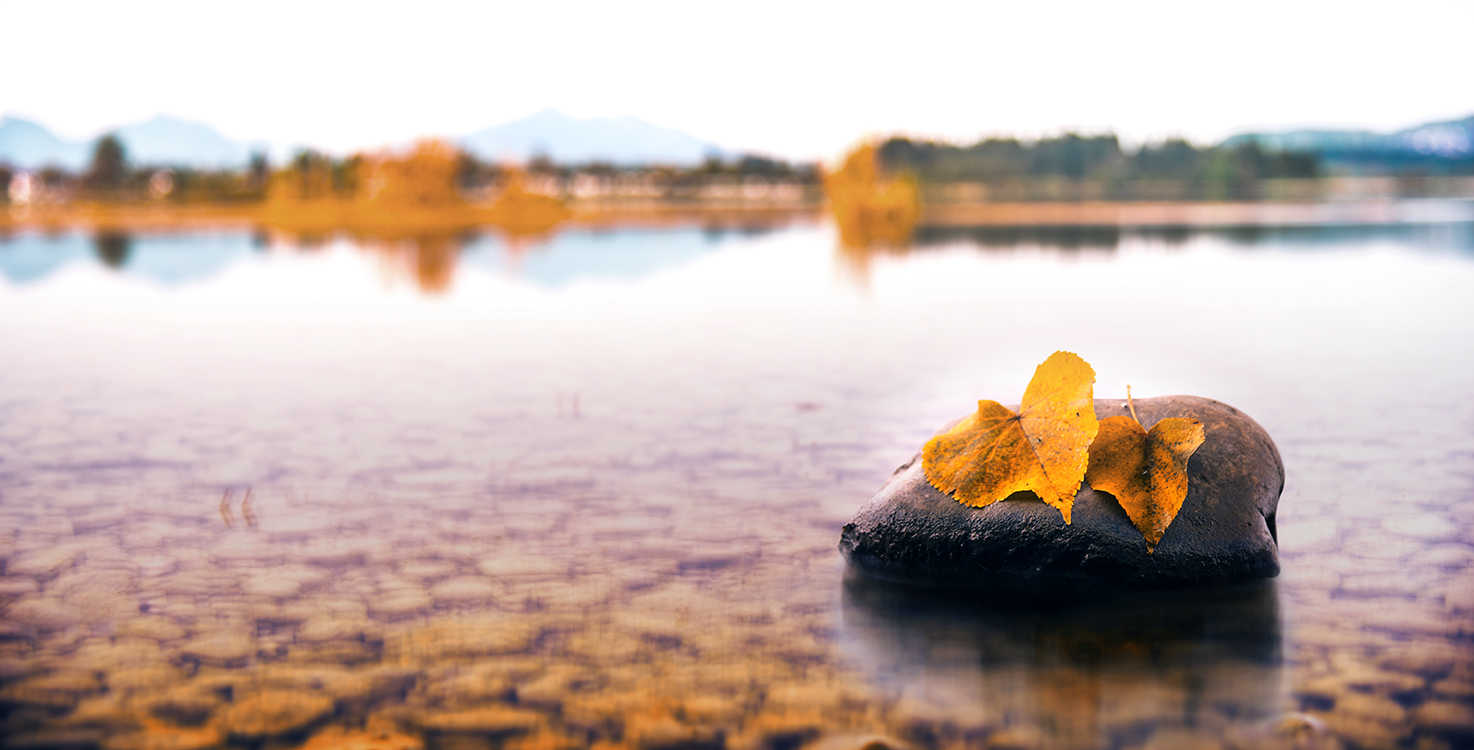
<point x="995" y="452"/>
<point x="1145" y="471"/>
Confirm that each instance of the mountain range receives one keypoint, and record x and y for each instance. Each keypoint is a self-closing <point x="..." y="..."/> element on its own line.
<point x="26" y="144"/>
<point x="1450" y="139"/>
<point x="162" y="141"/>
<point x="168" y="141"/>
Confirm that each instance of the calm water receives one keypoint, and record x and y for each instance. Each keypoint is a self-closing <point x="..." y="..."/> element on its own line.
<point x="587" y="491"/>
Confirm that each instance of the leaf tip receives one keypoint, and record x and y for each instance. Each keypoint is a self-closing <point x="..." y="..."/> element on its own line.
<point x="1064" y="507"/>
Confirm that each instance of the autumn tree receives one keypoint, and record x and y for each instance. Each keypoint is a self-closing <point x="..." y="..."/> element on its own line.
<point x="869" y="206"/>
<point x="425" y="177"/>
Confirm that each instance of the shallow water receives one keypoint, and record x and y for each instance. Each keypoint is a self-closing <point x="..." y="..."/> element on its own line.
<point x="588" y="489"/>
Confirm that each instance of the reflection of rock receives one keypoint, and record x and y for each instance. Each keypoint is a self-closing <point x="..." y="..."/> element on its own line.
<point x="1083" y="672"/>
<point x="1224" y="532"/>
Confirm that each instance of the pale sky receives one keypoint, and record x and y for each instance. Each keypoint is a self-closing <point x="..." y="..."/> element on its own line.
<point x="794" y="79"/>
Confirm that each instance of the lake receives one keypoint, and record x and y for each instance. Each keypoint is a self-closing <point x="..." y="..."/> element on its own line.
<point x="586" y="490"/>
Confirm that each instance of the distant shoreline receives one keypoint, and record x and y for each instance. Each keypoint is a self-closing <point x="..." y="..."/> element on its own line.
<point x="164" y="218"/>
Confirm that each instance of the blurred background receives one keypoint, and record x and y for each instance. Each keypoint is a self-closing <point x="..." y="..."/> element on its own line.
<point x="993" y="100"/>
<point x="500" y="376"/>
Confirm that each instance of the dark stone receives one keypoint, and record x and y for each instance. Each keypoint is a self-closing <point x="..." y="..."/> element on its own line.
<point x="912" y="533"/>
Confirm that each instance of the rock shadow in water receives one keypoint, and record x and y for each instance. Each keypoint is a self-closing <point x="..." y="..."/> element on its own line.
<point x="1071" y="671"/>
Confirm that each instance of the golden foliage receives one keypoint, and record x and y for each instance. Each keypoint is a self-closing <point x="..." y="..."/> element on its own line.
<point x="424" y="177"/>
<point x="869" y="208"/>
<point x="521" y="212"/>
<point x="307" y="181"/>
<point x="994" y="452"/>
<point x="382" y="195"/>
<point x="411" y="196"/>
<point x="1145" y="470"/>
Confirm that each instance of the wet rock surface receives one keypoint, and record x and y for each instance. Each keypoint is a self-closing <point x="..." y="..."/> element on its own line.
<point x="1224" y="533"/>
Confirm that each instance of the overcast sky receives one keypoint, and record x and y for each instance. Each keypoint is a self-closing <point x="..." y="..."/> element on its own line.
<point x="789" y="78"/>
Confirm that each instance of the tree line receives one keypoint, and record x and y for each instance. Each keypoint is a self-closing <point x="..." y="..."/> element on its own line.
<point x="1093" y="157"/>
<point x="1071" y="166"/>
<point x="433" y="167"/>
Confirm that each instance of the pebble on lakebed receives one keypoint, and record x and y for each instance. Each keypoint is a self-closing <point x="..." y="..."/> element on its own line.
<point x="1225" y="533"/>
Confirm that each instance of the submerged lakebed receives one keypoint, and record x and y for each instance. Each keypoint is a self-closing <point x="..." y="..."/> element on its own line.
<point x="589" y="490"/>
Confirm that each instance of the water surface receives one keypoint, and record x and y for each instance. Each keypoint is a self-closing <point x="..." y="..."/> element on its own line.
<point x="587" y="489"/>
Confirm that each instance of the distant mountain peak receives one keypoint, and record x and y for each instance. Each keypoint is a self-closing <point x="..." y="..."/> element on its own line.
<point x="170" y="141"/>
<point x="163" y="140"/>
<point x="29" y="145"/>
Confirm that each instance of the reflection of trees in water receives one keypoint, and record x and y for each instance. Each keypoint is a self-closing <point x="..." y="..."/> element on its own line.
<point x="1458" y="235"/>
<point x="1084" y="673"/>
<point x="435" y="262"/>
<point x="716" y="231"/>
<point x="519" y="246"/>
<point x="1056" y="237"/>
<point x="112" y="248"/>
<point x="312" y="241"/>
<point x="1071" y="238"/>
<point x="855" y="260"/>
<point x="429" y="260"/>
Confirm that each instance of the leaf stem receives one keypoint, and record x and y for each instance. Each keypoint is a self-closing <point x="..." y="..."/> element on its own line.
<point x="1131" y="406"/>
